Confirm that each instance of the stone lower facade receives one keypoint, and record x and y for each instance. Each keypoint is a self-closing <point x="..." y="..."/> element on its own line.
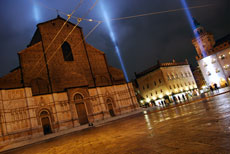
<point x="24" y="116"/>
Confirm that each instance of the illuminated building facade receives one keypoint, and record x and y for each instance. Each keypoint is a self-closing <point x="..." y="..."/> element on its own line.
<point x="60" y="88"/>
<point x="215" y="66"/>
<point x="165" y="79"/>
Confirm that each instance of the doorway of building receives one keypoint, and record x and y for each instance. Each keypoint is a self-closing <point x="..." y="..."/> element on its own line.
<point x="110" y="107"/>
<point x="81" y="110"/>
<point x="45" y="119"/>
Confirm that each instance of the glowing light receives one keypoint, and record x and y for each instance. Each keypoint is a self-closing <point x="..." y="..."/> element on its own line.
<point x="160" y="96"/>
<point x="36" y="11"/>
<point x="148" y="100"/>
<point x="113" y="38"/>
<point x="193" y="26"/>
<point x="168" y="93"/>
<point x="154" y="98"/>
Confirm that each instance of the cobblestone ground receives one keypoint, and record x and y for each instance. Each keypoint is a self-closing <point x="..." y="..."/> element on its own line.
<point x="202" y="127"/>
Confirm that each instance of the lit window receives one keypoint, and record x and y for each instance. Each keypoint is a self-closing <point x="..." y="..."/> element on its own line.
<point x="168" y="77"/>
<point x="205" y="64"/>
<point x="222" y="56"/>
<point x="213" y="60"/>
<point x="186" y="74"/>
<point x="177" y="76"/>
<point x="226" y="66"/>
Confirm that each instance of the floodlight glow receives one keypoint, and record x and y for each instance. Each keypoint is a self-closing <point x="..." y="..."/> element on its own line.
<point x="36" y="11"/>
<point x="193" y="26"/>
<point x="148" y="100"/>
<point x="113" y="38"/>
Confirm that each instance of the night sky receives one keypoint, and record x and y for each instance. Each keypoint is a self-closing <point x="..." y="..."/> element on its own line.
<point x="142" y="40"/>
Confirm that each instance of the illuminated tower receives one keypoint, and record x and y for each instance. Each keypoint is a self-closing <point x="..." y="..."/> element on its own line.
<point x="203" y="42"/>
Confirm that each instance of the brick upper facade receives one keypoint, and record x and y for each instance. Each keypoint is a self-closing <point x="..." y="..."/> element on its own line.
<point x="43" y="66"/>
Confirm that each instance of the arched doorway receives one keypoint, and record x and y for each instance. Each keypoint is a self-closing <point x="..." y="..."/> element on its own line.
<point x="110" y="107"/>
<point x="81" y="111"/>
<point x="45" y="120"/>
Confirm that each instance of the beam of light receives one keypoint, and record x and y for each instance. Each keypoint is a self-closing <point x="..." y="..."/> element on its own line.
<point x="113" y="38"/>
<point x="193" y="26"/>
<point x="36" y="11"/>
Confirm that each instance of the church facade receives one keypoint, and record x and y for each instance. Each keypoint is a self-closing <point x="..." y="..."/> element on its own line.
<point x="60" y="85"/>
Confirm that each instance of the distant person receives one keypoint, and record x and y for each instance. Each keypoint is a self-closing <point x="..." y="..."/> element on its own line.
<point x="211" y="88"/>
<point x="216" y="87"/>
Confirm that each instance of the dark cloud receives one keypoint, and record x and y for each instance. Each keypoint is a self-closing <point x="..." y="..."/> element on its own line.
<point x="142" y="41"/>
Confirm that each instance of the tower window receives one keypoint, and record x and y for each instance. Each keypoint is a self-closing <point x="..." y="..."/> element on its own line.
<point x="67" y="52"/>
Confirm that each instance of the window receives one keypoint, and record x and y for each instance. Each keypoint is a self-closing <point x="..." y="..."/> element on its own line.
<point x="147" y="96"/>
<point x="155" y="83"/>
<point x="205" y="64"/>
<point x="178" y="86"/>
<point x="222" y="56"/>
<point x="170" y="87"/>
<point x="174" y="86"/>
<point x="208" y="73"/>
<point x="186" y="74"/>
<point x="147" y="86"/>
<point x="226" y="66"/>
<point x="161" y="91"/>
<point x="217" y="70"/>
<point x="151" y="94"/>
<point x="168" y="77"/>
<point x="177" y="76"/>
<point x="67" y="52"/>
<point x="156" y="92"/>
<point x="159" y="80"/>
<point x="213" y="60"/>
<point x="143" y="87"/>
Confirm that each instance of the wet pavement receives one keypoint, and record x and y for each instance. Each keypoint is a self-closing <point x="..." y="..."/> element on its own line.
<point x="200" y="127"/>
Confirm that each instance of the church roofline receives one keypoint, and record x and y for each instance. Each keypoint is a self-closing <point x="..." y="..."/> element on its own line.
<point x="58" y="17"/>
